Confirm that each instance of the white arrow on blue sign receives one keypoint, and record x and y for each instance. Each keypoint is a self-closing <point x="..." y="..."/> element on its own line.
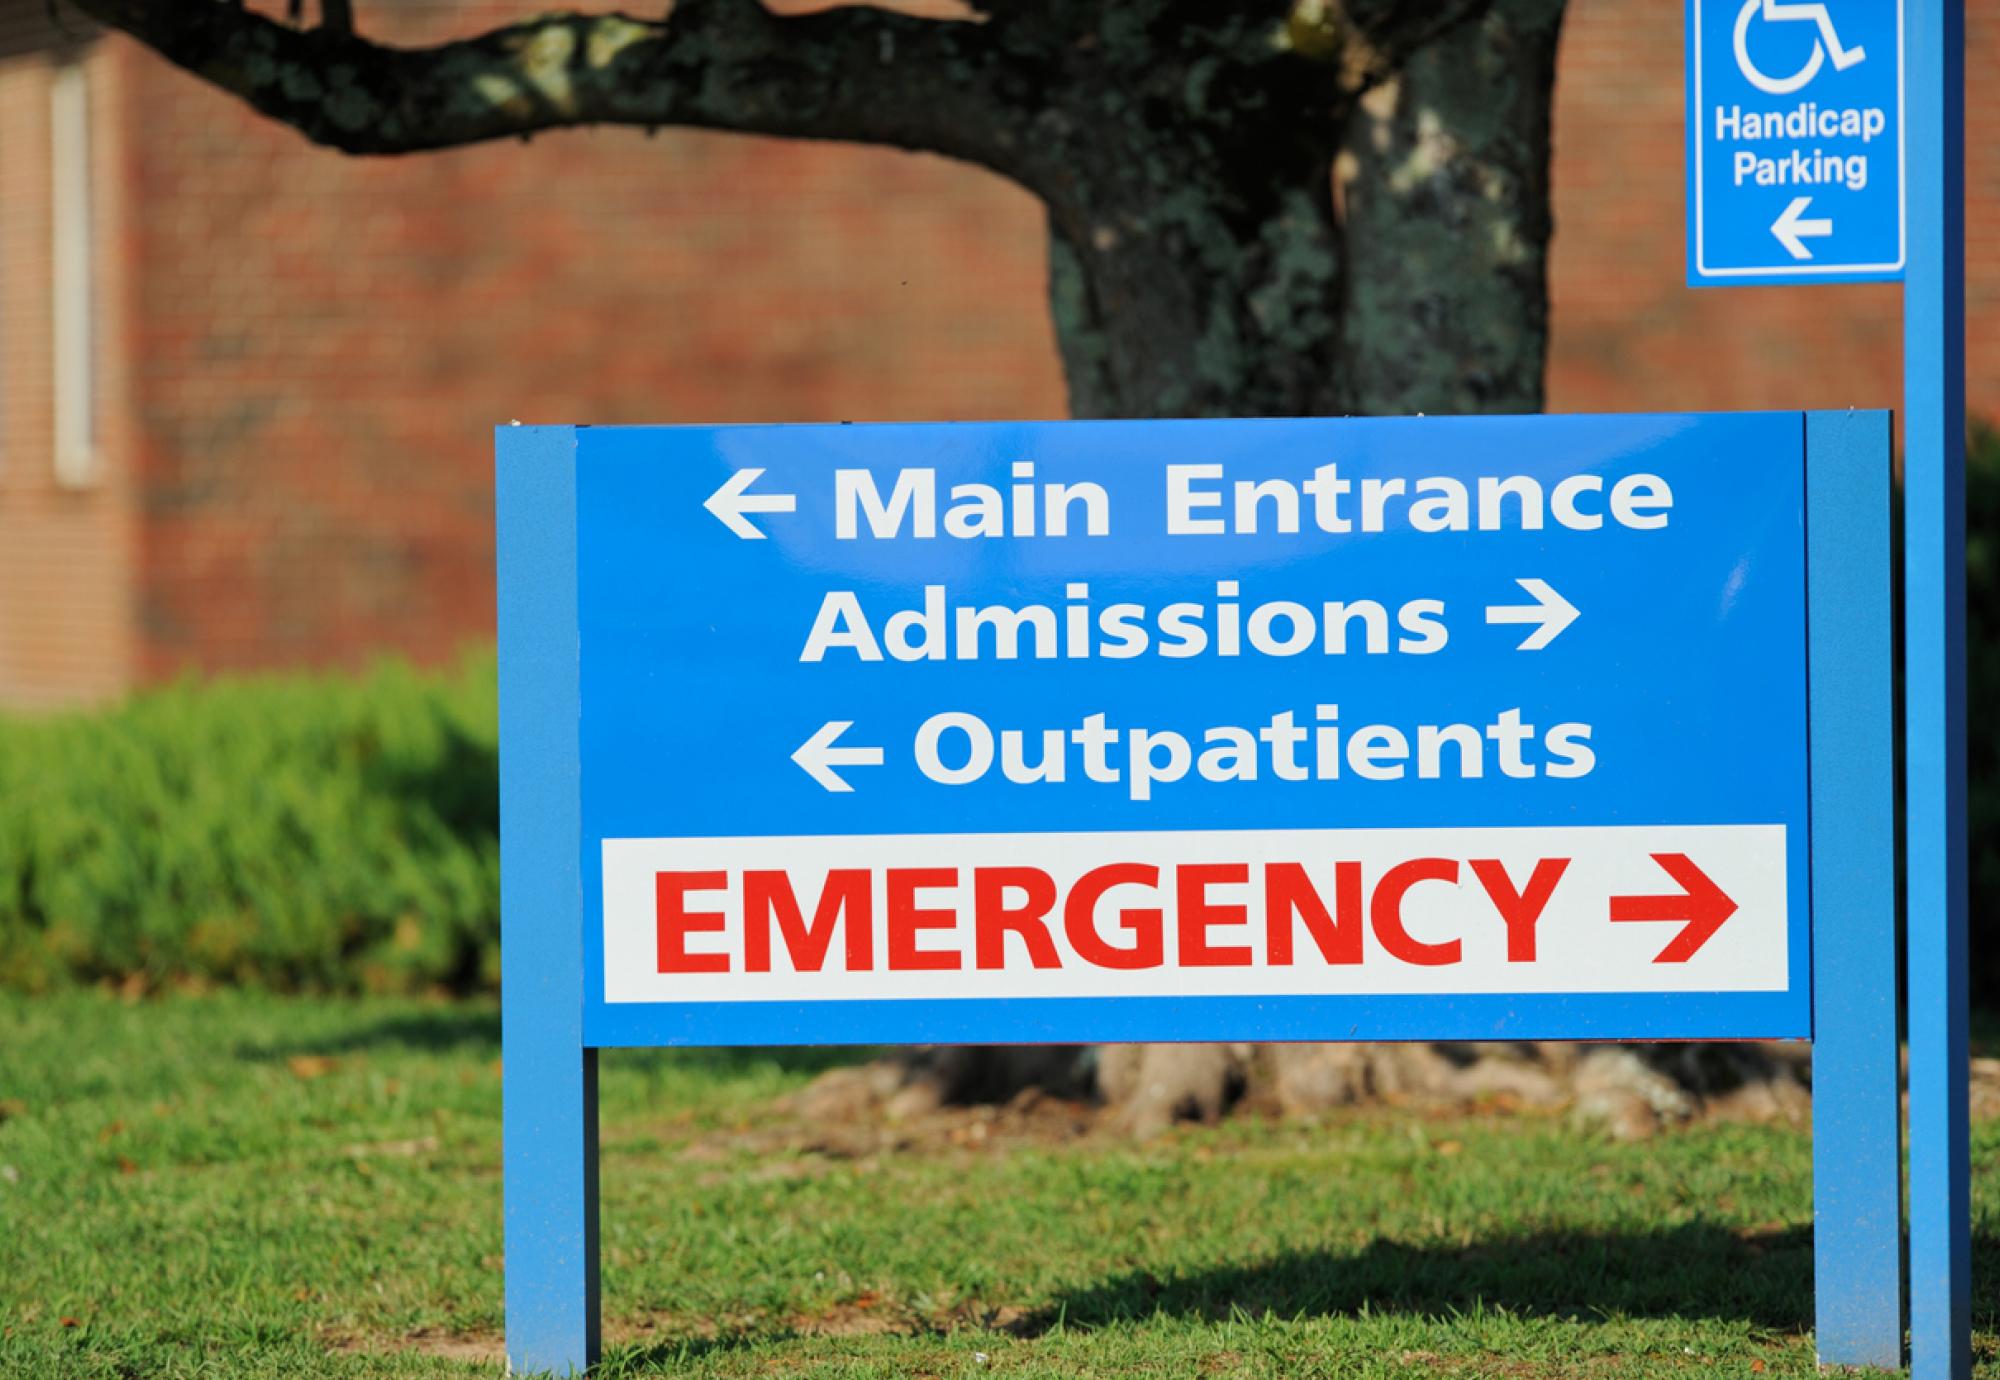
<point x="1795" y="141"/>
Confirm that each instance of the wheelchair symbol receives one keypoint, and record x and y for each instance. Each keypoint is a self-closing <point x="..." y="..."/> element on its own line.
<point x="1825" y="46"/>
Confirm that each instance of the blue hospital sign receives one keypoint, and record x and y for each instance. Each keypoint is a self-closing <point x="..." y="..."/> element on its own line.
<point x="1795" y="141"/>
<point x="1308" y="729"/>
<point x="1458" y="728"/>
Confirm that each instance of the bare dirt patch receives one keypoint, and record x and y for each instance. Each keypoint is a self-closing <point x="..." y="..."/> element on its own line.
<point x="470" y="1348"/>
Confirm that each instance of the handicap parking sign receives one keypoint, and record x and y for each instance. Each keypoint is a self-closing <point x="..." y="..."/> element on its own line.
<point x="1795" y="141"/>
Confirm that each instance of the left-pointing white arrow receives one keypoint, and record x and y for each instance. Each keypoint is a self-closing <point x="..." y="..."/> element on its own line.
<point x="1550" y="610"/>
<point x="730" y="503"/>
<point x="819" y="756"/>
<point x="1793" y="232"/>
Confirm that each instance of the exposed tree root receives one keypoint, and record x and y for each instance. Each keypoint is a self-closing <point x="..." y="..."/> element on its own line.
<point x="1629" y="1091"/>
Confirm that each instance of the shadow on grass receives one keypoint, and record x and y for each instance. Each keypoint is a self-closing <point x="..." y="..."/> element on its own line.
<point x="448" y="1028"/>
<point x="725" y="1062"/>
<point x="1699" y="1271"/>
<point x="1761" y="1276"/>
<point x="473" y="1031"/>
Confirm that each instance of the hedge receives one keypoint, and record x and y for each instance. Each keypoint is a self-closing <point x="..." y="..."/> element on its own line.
<point x="319" y="832"/>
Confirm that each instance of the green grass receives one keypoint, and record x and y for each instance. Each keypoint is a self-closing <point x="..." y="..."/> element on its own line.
<point x="244" y="1186"/>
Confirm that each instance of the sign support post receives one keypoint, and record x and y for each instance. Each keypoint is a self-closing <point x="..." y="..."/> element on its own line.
<point x="549" y="1092"/>
<point x="1857" y="1124"/>
<point x="1934" y="670"/>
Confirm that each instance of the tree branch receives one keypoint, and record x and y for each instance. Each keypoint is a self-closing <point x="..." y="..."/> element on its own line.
<point x="724" y="64"/>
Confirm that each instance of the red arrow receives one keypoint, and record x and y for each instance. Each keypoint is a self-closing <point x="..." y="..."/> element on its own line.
<point x="1702" y="904"/>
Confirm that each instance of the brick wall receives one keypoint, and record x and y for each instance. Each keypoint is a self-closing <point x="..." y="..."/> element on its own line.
<point x="325" y="344"/>
<point x="319" y="346"/>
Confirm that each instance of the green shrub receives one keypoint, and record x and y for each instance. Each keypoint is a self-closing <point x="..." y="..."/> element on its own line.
<point x="325" y="832"/>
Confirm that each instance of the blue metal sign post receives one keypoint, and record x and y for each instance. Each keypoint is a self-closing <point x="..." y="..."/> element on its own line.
<point x="1795" y="141"/>
<point x="1417" y="729"/>
<point x="1934" y="662"/>
<point x="1827" y="144"/>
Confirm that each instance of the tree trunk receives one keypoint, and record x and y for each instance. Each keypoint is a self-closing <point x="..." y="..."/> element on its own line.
<point x="1403" y="271"/>
<point x="1444" y="179"/>
<point x="1188" y="311"/>
<point x="1395" y="265"/>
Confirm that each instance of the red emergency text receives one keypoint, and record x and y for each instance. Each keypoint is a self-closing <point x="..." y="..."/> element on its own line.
<point x="1117" y="915"/>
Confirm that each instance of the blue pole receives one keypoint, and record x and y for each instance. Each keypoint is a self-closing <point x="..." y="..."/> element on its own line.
<point x="1934" y="668"/>
<point x="548" y="1095"/>
<point x="1857" y="1116"/>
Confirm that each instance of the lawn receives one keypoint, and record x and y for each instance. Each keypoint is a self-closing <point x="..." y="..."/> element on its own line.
<point x="241" y="1186"/>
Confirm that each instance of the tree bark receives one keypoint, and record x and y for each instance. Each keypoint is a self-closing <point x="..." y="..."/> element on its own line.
<point x="1390" y="258"/>
<point x="1407" y="273"/>
<point x="1444" y="175"/>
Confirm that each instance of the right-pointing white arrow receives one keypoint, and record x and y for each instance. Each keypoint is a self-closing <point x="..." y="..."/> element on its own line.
<point x="1793" y="232"/>
<point x="1550" y="610"/>
<point x="730" y="503"/>
<point x="819" y="756"/>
